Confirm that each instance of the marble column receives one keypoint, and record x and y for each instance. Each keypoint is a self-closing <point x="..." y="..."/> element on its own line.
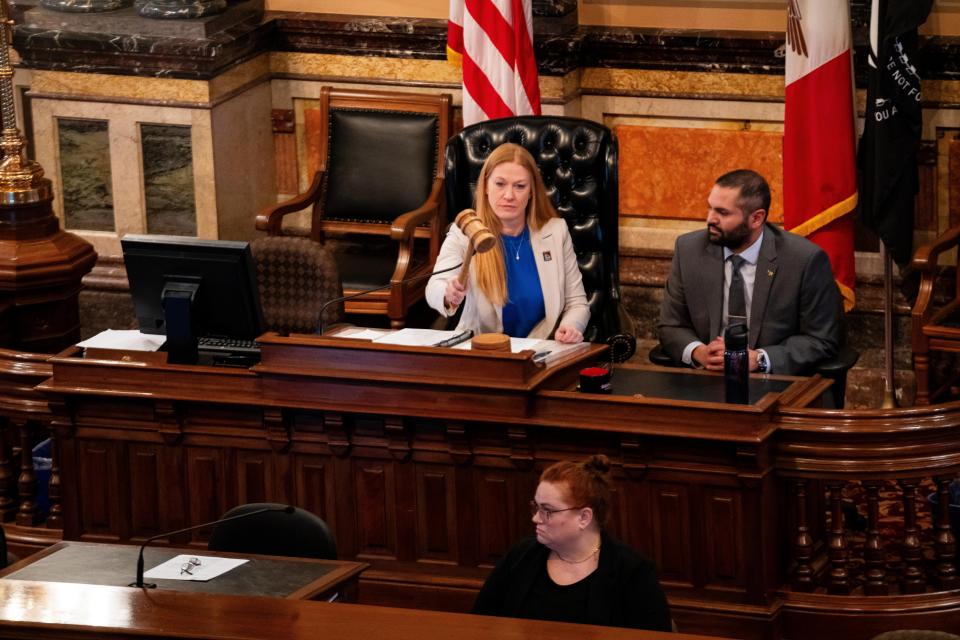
<point x="177" y="9"/>
<point x="86" y="6"/>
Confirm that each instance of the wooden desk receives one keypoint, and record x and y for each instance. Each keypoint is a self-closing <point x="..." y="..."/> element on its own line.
<point x="115" y="565"/>
<point x="40" y="611"/>
<point x="426" y="475"/>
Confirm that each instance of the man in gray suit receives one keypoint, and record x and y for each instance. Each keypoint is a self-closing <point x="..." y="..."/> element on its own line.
<point x="780" y="283"/>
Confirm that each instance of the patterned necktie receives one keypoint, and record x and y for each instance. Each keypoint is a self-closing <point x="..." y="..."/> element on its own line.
<point x="736" y="305"/>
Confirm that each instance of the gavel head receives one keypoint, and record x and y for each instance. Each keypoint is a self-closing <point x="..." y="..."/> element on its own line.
<point x="479" y="236"/>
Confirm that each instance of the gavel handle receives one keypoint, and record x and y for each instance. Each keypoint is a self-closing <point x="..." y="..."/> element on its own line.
<point x="465" y="269"/>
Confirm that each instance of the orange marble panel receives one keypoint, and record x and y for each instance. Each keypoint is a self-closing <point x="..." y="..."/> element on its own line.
<point x="311" y="141"/>
<point x="667" y="172"/>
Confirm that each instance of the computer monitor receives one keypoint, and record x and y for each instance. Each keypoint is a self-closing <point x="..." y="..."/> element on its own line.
<point x="187" y="288"/>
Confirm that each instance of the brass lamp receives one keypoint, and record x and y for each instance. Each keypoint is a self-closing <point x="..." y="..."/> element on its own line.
<point x="41" y="265"/>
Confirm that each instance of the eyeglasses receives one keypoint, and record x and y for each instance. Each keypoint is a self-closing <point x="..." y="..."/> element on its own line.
<point x="189" y="566"/>
<point x="546" y="514"/>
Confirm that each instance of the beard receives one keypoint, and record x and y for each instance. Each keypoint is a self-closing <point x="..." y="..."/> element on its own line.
<point x="732" y="239"/>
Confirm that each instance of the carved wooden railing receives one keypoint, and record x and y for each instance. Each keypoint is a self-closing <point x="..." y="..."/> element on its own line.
<point x="25" y="419"/>
<point x="820" y="454"/>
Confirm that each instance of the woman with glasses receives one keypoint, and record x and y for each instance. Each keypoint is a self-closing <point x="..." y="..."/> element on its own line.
<point x="572" y="570"/>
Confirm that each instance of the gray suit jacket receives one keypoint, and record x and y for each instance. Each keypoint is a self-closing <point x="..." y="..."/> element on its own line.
<point x="794" y="315"/>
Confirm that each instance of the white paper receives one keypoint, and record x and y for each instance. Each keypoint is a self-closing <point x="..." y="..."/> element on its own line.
<point x="125" y="339"/>
<point x="362" y="334"/>
<point x="210" y="567"/>
<point x="416" y="337"/>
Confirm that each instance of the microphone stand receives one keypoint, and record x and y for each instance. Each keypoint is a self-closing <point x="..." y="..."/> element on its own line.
<point x="140" y="584"/>
<point x="321" y="325"/>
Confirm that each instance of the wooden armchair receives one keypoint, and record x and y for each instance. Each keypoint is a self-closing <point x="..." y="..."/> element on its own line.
<point x="378" y="194"/>
<point x="933" y="329"/>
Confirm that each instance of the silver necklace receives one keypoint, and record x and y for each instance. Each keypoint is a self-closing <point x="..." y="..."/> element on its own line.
<point x="523" y="235"/>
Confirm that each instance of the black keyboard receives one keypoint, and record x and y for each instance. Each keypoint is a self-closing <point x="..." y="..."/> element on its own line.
<point x="228" y="346"/>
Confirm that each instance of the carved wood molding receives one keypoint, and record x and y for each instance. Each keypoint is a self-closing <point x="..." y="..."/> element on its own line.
<point x="459" y="444"/>
<point x="521" y="450"/>
<point x="398" y="438"/>
<point x="337" y="438"/>
<point x="634" y="457"/>
<point x="169" y="422"/>
<point x="277" y="429"/>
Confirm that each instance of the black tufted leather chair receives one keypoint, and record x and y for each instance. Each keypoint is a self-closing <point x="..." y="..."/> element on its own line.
<point x="378" y="194"/>
<point x="578" y="161"/>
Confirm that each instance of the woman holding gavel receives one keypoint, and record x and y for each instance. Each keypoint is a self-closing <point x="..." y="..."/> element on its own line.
<point x="572" y="570"/>
<point x="528" y="284"/>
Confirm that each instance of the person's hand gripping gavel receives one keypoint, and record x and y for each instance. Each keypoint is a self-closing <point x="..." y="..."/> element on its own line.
<point x="481" y="240"/>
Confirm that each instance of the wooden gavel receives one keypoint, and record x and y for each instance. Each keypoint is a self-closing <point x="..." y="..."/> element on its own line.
<point x="481" y="239"/>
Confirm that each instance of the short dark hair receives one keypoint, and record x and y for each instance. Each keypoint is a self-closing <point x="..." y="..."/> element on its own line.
<point x="754" y="190"/>
<point x="587" y="483"/>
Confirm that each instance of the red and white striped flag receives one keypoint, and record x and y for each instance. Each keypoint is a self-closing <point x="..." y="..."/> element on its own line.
<point x="493" y="41"/>
<point x="819" y="142"/>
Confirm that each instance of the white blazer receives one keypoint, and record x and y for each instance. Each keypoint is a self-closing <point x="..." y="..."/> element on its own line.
<point x="564" y="300"/>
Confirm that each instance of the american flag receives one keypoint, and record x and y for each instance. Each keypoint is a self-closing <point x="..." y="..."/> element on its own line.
<point x="493" y="41"/>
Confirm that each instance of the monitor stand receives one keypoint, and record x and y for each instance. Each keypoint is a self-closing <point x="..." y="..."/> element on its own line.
<point x="178" y="299"/>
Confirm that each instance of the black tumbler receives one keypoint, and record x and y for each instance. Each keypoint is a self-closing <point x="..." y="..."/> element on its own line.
<point x="736" y="364"/>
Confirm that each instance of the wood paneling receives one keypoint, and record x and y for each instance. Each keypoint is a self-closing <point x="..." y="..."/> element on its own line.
<point x="99" y="512"/>
<point x="376" y="510"/>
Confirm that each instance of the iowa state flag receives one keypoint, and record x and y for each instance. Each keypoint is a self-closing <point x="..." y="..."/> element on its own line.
<point x="493" y="41"/>
<point x="819" y="141"/>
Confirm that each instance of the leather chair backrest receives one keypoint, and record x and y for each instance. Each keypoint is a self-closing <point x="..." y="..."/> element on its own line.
<point x="300" y="534"/>
<point x="578" y="161"/>
<point x="395" y="149"/>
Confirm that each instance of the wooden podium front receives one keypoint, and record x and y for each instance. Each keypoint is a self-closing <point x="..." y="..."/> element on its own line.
<point x="422" y="461"/>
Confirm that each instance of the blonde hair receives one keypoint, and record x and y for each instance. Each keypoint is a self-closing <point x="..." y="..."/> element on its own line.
<point x="488" y="267"/>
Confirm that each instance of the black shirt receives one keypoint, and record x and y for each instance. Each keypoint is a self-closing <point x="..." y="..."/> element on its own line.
<point x="622" y="592"/>
<point x="548" y="600"/>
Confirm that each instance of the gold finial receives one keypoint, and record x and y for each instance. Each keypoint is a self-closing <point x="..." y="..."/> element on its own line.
<point x="21" y="179"/>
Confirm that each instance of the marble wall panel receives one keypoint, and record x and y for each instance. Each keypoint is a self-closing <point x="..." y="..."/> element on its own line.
<point x="241" y="160"/>
<point x="168" y="179"/>
<point x="84" y="151"/>
<point x="667" y="172"/>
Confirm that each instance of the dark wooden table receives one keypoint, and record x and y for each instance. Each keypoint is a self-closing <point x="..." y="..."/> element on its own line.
<point x="115" y="565"/>
<point x="40" y="610"/>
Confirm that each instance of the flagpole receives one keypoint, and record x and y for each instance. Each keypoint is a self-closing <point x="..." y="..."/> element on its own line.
<point x="889" y="397"/>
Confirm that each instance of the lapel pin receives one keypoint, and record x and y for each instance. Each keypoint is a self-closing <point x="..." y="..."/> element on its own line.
<point x="770" y="273"/>
<point x="547" y="257"/>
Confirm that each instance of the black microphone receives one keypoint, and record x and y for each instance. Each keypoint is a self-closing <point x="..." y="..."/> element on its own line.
<point x="149" y="585"/>
<point x="321" y="325"/>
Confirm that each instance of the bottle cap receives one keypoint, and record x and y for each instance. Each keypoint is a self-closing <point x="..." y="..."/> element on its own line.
<point x="735" y="337"/>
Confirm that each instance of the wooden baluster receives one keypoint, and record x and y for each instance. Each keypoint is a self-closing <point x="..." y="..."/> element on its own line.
<point x="803" y="543"/>
<point x="945" y="545"/>
<point x="837" y="552"/>
<point x="873" y="553"/>
<point x="8" y="485"/>
<point x="912" y="580"/>
<point x="54" y="493"/>
<point x="27" y="515"/>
